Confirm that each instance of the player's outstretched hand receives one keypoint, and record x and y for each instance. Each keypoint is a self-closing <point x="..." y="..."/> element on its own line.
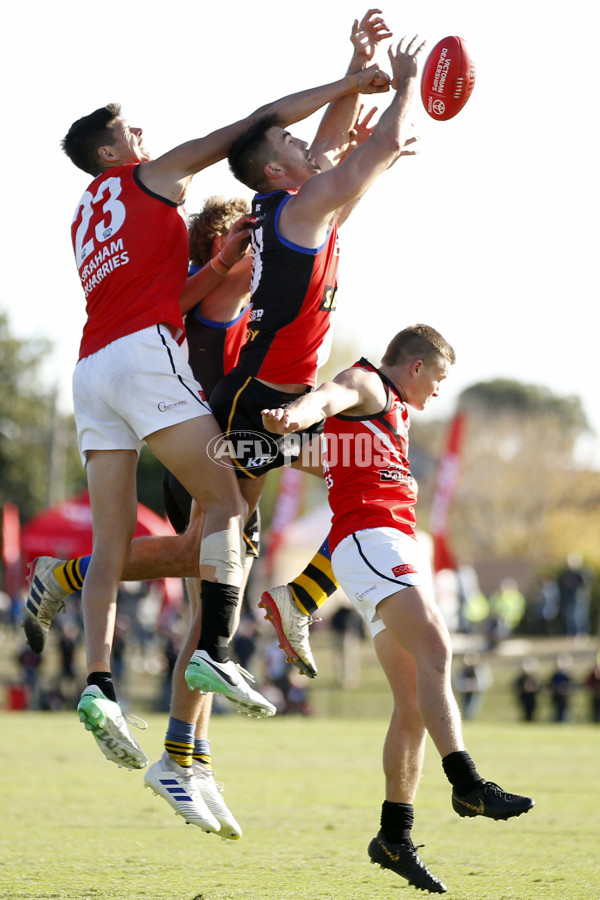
<point x="238" y="241"/>
<point x="404" y="60"/>
<point x="367" y="33"/>
<point x="278" y="421"/>
<point x="360" y="131"/>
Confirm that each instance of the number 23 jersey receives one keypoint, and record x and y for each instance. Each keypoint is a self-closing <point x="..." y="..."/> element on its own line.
<point x="131" y="249"/>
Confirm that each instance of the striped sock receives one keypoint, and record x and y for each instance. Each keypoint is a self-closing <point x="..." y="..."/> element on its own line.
<point x="201" y="752"/>
<point x="179" y="741"/>
<point x="316" y="583"/>
<point x="70" y="574"/>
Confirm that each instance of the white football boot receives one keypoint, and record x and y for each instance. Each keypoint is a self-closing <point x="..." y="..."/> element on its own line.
<point x="211" y="792"/>
<point x="104" y="718"/>
<point x="229" y="679"/>
<point x="291" y="626"/>
<point x="178" y="785"/>
<point x="46" y="598"/>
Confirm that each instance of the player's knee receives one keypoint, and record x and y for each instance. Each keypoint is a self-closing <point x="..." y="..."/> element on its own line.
<point x="436" y="649"/>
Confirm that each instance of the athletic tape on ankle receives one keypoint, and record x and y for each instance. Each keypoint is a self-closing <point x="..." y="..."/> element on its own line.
<point x="223" y="551"/>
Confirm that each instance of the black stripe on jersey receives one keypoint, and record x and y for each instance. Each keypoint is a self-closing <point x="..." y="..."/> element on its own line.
<point x="389" y="387"/>
<point x="385" y="424"/>
<point x="380" y="416"/>
<point x="196" y="396"/>
<point x="136" y="177"/>
<point x="373" y="569"/>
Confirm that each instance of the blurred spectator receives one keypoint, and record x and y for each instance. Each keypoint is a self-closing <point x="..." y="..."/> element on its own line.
<point x="561" y="688"/>
<point x="527" y="688"/>
<point x="471" y="681"/>
<point x="244" y="640"/>
<point x="285" y="687"/>
<point x="573" y="589"/>
<point x="69" y="686"/>
<point x="173" y="639"/>
<point x="5" y="609"/>
<point x="120" y="639"/>
<point x="475" y="611"/>
<point x="348" y="631"/>
<point x="592" y="683"/>
<point x="550" y="606"/>
<point x="507" y="606"/>
<point x="30" y="664"/>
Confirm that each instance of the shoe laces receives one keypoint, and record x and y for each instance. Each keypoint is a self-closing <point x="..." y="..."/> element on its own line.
<point x="492" y="788"/>
<point x="301" y="623"/>
<point x="202" y="771"/>
<point x="244" y="672"/>
<point x="52" y="608"/>
<point x="414" y="847"/>
<point x="136" y="721"/>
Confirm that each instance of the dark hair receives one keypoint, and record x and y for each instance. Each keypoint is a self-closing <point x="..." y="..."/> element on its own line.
<point x="86" y="135"/>
<point x="418" y="342"/>
<point x="249" y="153"/>
<point x="214" y="219"/>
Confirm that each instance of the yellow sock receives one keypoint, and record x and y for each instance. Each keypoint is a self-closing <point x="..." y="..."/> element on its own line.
<point x="69" y="574"/>
<point x="181" y="752"/>
<point x="316" y="583"/>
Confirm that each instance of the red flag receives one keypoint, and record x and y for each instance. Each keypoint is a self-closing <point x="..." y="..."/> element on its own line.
<point x="287" y="505"/>
<point x="445" y="487"/>
<point x="11" y="549"/>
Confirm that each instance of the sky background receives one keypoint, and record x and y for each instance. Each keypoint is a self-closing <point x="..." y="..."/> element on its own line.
<point x="490" y="234"/>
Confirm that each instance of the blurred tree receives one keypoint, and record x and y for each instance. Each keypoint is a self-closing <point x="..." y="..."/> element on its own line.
<point x="523" y="491"/>
<point x="39" y="462"/>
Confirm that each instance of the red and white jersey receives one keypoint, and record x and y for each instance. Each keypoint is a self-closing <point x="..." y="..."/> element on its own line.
<point x="365" y="462"/>
<point x="131" y="249"/>
<point x="293" y="299"/>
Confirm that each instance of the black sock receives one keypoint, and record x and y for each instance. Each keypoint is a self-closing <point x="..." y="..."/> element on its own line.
<point x="219" y="603"/>
<point x="397" y="821"/>
<point x="461" y="772"/>
<point x="104" y="681"/>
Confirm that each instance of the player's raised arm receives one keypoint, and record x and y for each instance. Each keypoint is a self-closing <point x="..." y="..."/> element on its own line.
<point x="335" y="130"/>
<point x="169" y="175"/>
<point x="310" y="212"/>
<point x="225" y="265"/>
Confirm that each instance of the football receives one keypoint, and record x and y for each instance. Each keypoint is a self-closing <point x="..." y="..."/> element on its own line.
<point x="448" y="78"/>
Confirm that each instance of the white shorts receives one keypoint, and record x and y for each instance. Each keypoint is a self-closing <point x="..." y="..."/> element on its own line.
<point x="131" y="388"/>
<point x="374" y="563"/>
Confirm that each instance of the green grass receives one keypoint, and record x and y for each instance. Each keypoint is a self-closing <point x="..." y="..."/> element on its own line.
<point x="307" y="792"/>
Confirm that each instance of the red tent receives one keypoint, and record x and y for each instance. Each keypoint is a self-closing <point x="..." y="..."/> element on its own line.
<point x="65" y="531"/>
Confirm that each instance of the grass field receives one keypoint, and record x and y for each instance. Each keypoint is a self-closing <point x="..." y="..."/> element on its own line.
<point x="307" y="792"/>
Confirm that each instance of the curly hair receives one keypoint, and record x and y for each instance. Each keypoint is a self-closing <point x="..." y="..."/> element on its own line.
<point x="214" y="219"/>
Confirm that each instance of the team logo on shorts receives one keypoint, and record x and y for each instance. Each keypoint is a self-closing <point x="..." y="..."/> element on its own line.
<point x="248" y="449"/>
<point x="404" y="569"/>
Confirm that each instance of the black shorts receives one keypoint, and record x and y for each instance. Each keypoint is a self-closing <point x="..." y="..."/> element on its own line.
<point x="178" y="504"/>
<point x="237" y="402"/>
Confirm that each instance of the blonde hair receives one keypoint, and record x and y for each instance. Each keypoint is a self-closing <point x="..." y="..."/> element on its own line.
<point x="214" y="220"/>
<point x="418" y="342"/>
